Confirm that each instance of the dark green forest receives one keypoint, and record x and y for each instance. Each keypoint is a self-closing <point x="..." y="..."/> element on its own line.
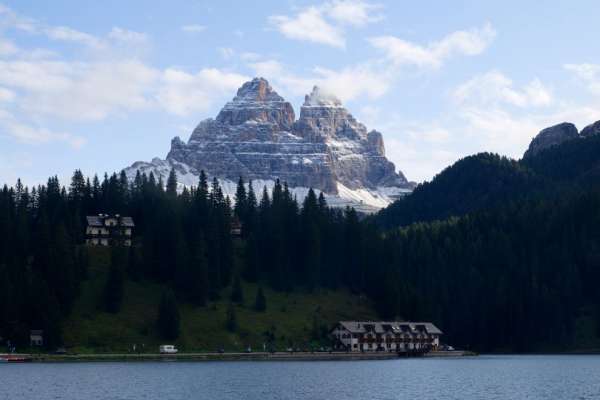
<point x="502" y="255"/>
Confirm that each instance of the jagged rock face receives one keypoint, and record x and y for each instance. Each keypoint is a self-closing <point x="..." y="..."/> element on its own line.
<point x="552" y="136"/>
<point x="255" y="136"/>
<point x="256" y="101"/>
<point x="591" y="130"/>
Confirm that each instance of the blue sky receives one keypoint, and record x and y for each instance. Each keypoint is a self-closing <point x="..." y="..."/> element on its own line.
<point x="98" y="85"/>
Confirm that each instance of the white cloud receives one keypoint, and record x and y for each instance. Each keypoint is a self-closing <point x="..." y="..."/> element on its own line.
<point x="309" y="25"/>
<point x="117" y="36"/>
<point x="7" y="47"/>
<point x="182" y="93"/>
<point x="495" y="116"/>
<point x="14" y="165"/>
<point x="8" y="18"/>
<point x="348" y="83"/>
<point x="494" y="87"/>
<point x="35" y="134"/>
<point x="353" y="12"/>
<point x="499" y="130"/>
<point x="109" y="83"/>
<point x="433" y="55"/>
<point x="226" y="52"/>
<point x="67" y="34"/>
<point x="249" y="56"/>
<point x="324" y="24"/>
<point x="353" y="82"/>
<point x="6" y="96"/>
<point x="95" y="91"/>
<point x="429" y="134"/>
<point x="588" y="73"/>
<point x="416" y="164"/>
<point x="128" y="37"/>
<point x="193" y="28"/>
<point x="35" y="76"/>
<point x="86" y="91"/>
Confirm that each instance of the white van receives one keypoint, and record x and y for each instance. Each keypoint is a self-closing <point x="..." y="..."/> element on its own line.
<point x="167" y="349"/>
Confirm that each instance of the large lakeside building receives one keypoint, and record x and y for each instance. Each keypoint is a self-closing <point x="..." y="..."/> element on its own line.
<point x="386" y="336"/>
<point x="108" y="230"/>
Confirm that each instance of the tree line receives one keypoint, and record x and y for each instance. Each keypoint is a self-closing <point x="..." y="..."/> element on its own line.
<point x="510" y="277"/>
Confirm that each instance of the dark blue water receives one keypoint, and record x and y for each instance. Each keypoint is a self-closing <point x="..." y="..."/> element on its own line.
<point x="494" y="377"/>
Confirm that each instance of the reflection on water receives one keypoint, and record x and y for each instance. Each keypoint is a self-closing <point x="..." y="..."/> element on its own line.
<point x="485" y="377"/>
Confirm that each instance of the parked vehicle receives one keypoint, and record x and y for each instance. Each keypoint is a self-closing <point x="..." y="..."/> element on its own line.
<point x="167" y="349"/>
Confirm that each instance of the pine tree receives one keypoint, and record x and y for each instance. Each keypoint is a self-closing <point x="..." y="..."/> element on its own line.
<point x="168" y="321"/>
<point x="251" y="218"/>
<point x="231" y="319"/>
<point x="77" y="188"/>
<point x="240" y="200"/>
<point x="260" y="304"/>
<point x="237" y="293"/>
<point x="114" y="288"/>
<point x="199" y="274"/>
<point x="172" y="184"/>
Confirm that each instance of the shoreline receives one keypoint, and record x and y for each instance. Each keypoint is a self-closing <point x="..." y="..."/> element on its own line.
<point x="257" y="356"/>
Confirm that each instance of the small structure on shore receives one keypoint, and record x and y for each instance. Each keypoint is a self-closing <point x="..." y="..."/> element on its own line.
<point x="386" y="336"/>
<point x="108" y="230"/>
<point x="36" y="338"/>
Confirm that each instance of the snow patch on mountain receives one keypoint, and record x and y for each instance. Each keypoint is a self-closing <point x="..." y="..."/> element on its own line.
<point x="256" y="136"/>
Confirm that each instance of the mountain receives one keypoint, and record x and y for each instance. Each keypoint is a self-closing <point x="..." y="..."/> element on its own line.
<point x="558" y="159"/>
<point x="550" y="137"/>
<point x="256" y="136"/>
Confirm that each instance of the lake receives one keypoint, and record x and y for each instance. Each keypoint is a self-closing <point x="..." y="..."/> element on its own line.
<point x="484" y="377"/>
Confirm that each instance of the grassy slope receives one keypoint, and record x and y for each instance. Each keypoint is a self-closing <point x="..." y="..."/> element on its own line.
<point x="89" y="329"/>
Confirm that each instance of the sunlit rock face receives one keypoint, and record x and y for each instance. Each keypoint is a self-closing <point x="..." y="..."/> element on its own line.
<point x="256" y="136"/>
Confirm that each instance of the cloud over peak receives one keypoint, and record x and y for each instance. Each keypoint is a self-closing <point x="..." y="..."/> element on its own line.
<point x="324" y="24"/>
<point x="494" y="87"/>
<point x="402" y="52"/>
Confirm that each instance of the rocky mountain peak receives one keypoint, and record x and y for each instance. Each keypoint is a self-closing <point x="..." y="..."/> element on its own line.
<point x="552" y="136"/>
<point x="255" y="136"/>
<point x="257" y="102"/>
<point x="591" y="130"/>
<point x="258" y="89"/>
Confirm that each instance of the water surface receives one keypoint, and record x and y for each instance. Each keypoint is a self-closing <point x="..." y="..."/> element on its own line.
<point x="485" y="377"/>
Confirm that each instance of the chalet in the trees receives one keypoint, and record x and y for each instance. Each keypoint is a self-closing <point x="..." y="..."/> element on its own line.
<point x="107" y="230"/>
<point x="236" y="227"/>
<point x="386" y="336"/>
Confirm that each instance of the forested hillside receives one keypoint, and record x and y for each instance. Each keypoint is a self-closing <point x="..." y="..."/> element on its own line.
<point x="182" y="242"/>
<point x="485" y="180"/>
<point x="501" y="255"/>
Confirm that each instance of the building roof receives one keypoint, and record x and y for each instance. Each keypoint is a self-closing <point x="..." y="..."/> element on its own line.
<point x="393" y="327"/>
<point x="98" y="220"/>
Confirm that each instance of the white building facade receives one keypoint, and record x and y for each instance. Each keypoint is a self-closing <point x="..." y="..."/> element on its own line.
<point x="386" y="336"/>
<point x="107" y="230"/>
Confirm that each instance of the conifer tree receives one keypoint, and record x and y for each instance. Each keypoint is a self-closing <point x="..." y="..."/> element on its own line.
<point x="240" y="200"/>
<point x="172" y="184"/>
<point x="260" y="304"/>
<point x="114" y="288"/>
<point x="231" y="319"/>
<point x="199" y="274"/>
<point x="168" y="321"/>
<point x="237" y="293"/>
